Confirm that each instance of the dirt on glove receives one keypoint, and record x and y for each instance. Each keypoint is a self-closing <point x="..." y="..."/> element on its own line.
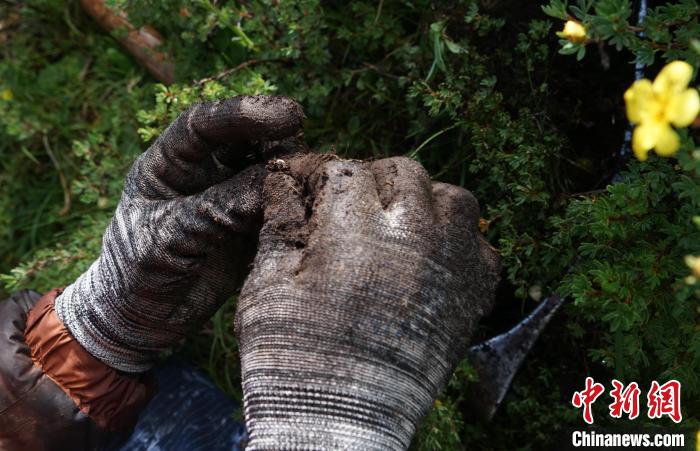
<point x="368" y="283"/>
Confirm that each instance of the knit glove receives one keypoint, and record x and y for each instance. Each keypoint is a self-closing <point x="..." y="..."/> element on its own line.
<point x="172" y="252"/>
<point x="367" y="285"/>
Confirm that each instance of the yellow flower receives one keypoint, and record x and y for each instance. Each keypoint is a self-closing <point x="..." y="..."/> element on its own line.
<point x="6" y="94"/>
<point x="655" y="106"/>
<point x="694" y="264"/>
<point x="573" y="31"/>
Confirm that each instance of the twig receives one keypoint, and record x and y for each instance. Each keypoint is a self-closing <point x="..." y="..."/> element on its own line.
<point x="85" y="69"/>
<point x="379" y="71"/>
<point x="243" y="65"/>
<point x="141" y="43"/>
<point x="379" y="11"/>
<point x="587" y="193"/>
<point x="64" y="183"/>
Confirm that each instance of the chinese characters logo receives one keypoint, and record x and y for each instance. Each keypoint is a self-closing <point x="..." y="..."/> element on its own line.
<point x="662" y="400"/>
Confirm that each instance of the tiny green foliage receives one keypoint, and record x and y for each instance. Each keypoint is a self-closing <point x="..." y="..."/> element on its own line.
<point x="485" y="94"/>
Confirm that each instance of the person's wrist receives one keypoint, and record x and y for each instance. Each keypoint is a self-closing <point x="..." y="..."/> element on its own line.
<point x="310" y="382"/>
<point x="110" y="399"/>
<point x="88" y="309"/>
<point x="321" y="433"/>
<point x="300" y="415"/>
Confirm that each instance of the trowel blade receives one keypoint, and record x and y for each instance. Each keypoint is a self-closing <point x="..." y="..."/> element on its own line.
<point x="497" y="360"/>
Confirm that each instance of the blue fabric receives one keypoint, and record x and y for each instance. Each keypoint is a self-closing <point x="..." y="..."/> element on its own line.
<point x="189" y="413"/>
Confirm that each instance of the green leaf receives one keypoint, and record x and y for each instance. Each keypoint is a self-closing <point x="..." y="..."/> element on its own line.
<point x="453" y="46"/>
<point x="557" y="9"/>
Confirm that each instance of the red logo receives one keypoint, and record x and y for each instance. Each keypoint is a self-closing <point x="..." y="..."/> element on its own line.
<point x="661" y="400"/>
<point x="665" y="400"/>
<point x="587" y="397"/>
<point x="626" y="400"/>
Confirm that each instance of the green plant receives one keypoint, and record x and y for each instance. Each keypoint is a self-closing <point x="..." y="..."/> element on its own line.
<point x="474" y="90"/>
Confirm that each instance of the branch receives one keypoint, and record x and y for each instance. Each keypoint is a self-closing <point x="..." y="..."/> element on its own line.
<point x="243" y="65"/>
<point x="64" y="183"/>
<point x="141" y="43"/>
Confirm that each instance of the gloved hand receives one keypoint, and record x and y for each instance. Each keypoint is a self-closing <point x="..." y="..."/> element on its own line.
<point x="367" y="285"/>
<point x="171" y="254"/>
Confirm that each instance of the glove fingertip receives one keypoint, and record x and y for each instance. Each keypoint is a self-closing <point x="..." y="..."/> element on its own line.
<point x="268" y="117"/>
<point x="454" y="204"/>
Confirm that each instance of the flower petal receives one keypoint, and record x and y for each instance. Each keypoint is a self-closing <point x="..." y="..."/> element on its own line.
<point x="574" y="31"/>
<point x="644" y="139"/>
<point x="673" y="78"/>
<point x="667" y="141"/>
<point x="683" y="108"/>
<point x="638" y="100"/>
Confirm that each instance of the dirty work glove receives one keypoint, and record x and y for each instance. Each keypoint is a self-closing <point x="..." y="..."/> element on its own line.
<point x="368" y="282"/>
<point x="171" y="254"/>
